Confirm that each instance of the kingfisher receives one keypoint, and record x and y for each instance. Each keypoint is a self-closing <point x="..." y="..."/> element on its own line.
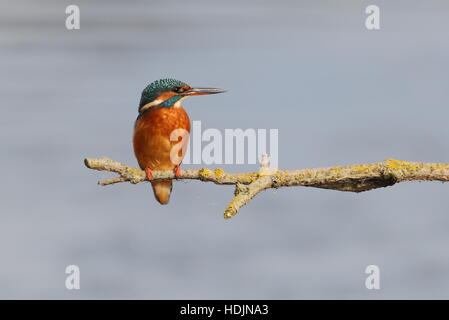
<point x="162" y="129"/>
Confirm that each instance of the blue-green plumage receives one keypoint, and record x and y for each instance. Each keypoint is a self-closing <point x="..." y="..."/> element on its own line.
<point x="154" y="89"/>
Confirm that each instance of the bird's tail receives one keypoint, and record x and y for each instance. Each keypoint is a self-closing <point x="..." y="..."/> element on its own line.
<point x="162" y="190"/>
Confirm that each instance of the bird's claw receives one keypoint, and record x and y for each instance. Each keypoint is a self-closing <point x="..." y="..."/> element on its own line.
<point x="149" y="174"/>
<point x="177" y="172"/>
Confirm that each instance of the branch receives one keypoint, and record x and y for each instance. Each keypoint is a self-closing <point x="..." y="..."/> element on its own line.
<point x="354" y="178"/>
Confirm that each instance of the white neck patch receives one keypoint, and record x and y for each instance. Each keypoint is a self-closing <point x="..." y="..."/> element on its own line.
<point x="151" y="104"/>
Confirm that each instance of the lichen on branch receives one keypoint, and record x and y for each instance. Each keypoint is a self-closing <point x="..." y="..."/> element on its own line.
<point x="354" y="178"/>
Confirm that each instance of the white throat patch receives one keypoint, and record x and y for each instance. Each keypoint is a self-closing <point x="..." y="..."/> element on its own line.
<point x="178" y="103"/>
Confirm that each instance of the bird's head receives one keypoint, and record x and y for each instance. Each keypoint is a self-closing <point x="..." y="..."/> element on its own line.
<point x="169" y="93"/>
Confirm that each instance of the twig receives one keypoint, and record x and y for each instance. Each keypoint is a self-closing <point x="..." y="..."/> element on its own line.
<point x="354" y="178"/>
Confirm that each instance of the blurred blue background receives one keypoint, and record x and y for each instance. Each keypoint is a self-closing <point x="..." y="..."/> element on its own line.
<point x="338" y="93"/>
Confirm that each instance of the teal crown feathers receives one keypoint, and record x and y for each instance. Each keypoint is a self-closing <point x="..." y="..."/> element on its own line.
<point x="154" y="89"/>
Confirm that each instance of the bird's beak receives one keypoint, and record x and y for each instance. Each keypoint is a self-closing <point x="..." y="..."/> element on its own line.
<point x="202" y="91"/>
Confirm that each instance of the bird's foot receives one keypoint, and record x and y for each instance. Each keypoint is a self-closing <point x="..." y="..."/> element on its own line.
<point x="177" y="171"/>
<point x="149" y="174"/>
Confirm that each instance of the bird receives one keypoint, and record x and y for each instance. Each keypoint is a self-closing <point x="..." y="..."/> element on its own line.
<point x="161" y="130"/>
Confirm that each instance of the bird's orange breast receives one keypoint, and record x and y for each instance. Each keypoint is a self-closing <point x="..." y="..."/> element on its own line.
<point x="152" y="137"/>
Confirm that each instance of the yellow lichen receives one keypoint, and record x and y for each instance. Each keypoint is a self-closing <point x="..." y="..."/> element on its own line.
<point x="205" y="173"/>
<point x="362" y="168"/>
<point x="219" y="173"/>
<point x="248" y="177"/>
<point x="400" y="165"/>
<point x="439" y="166"/>
<point x="308" y="173"/>
<point x="230" y="210"/>
<point x="134" y="171"/>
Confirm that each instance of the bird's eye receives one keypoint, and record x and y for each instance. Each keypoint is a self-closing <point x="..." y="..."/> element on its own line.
<point x="179" y="89"/>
